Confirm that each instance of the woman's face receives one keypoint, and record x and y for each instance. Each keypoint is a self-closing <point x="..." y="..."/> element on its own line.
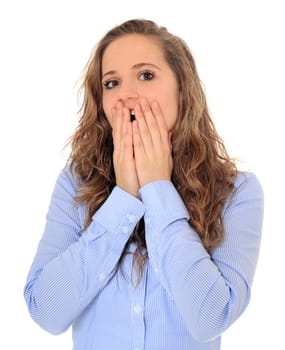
<point x="133" y="66"/>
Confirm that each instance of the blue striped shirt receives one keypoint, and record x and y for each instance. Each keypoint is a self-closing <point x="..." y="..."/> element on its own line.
<point x="186" y="298"/>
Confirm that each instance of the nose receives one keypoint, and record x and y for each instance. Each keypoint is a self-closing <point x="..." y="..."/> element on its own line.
<point x="128" y="94"/>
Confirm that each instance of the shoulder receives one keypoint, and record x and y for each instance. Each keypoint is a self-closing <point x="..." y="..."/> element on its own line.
<point x="67" y="181"/>
<point x="247" y="191"/>
<point x="63" y="199"/>
<point x="248" y="183"/>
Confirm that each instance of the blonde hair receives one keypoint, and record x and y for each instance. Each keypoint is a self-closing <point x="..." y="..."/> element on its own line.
<point x="203" y="173"/>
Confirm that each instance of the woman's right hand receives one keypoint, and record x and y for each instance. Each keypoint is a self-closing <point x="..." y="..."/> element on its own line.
<point x="123" y="157"/>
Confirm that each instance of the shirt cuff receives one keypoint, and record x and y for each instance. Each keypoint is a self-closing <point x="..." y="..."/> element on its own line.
<point x="163" y="203"/>
<point x="120" y="212"/>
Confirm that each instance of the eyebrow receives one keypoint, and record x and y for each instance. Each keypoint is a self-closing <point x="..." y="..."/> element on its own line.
<point x="135" y="66"/>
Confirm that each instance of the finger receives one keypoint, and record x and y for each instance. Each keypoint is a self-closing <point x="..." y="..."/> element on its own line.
<point x="158" y="115"/>
<point x="152" y="122"/>
<point x="139" y="149"/>
<point x="116" y="128"/>
<point x="116" y="125"/>
<point x="127" y="138"/>
<point x="141" y="127"/>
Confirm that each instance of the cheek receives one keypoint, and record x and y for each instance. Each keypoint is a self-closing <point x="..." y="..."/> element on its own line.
<point x="109" y="120"/>
<point x="107" y="106"/>
<point x="170" y="112"/>
<point x="171" y="121"/>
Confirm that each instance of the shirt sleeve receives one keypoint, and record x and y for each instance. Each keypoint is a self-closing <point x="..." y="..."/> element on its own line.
<point x="71" y="267"/>
<point x="210" y="291"/>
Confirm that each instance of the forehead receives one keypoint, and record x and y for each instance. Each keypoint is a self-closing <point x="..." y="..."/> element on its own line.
<point x="131" y="49"/>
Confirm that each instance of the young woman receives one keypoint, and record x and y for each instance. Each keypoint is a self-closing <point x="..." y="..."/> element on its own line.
<point x="152" y="235"/>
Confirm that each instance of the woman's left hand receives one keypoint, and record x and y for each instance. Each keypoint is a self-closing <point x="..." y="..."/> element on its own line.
<point x="152" y="145"/>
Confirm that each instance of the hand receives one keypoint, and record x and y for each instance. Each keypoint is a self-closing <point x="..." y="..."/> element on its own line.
<point x="152" y="146"/>
<point x="123" y="157"/>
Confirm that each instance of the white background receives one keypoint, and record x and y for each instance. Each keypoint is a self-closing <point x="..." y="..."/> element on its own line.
<point x="239" y="51"/>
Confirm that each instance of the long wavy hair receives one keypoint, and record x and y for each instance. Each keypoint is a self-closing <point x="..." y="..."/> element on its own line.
<point x="203" y="172"/>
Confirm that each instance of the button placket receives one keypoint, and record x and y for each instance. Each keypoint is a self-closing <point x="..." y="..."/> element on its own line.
<point x="137" y="308"/>
<point x="147" y="220"/>
<point x="152" y="237"/>
<point x="137" y="312"/>
<point x="125" y="229"/>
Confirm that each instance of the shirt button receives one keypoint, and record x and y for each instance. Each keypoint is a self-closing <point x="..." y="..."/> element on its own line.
<point x="156" y="270"/>
<point x="131" y="217"/>
<point x="102" y="276"/>
<point x="125" y="229"/>
<point x="136" y="348"/>
<point x="147" y="219"/>
<point x="137" y="309"/>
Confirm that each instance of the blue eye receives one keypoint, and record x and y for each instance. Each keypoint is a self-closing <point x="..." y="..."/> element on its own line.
<point x="146" y="75"/>
<point x="110" y="84"/>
